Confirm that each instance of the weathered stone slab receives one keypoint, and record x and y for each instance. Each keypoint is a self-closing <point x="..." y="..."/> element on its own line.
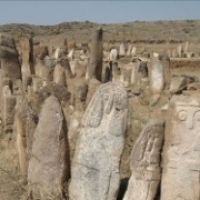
<point x="165" y="61"/>
<point x="95" y="167"/>
<point x="7" y="47"/>
<point x="20" y="121"/>
<point x="8" y="111"/>
<point x="96" y="56"/>
<point x="156" y="76"/>
<point x="181" y="156"/>
<point x="145" y="162"/>
<point x="48" y="170"/>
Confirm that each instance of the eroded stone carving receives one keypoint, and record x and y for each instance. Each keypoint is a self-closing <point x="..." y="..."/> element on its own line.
<point x="181" y="156"/>
<point x="95" y="167"/>
<point x="145" y="162"/>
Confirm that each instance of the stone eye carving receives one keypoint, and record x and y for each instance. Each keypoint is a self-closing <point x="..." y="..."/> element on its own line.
<point x="197" y="116"/>
<point x="182" y="115"/>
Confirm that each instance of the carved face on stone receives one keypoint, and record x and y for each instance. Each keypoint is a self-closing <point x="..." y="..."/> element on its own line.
<point x="109" y="102"/>
<point x="185" y="126"/>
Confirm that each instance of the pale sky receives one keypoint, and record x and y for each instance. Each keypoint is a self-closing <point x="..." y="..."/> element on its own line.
<point x="101" y="11"/>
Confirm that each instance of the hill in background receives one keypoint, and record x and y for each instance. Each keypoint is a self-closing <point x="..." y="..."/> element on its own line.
<point x="137" y="31"/>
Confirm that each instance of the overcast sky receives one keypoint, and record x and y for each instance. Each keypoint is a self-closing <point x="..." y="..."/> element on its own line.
<point x="101" y="11"/>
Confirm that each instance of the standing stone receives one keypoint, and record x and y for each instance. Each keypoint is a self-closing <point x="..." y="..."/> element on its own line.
<point x="59" y="75"/>
<point x="179" y="50"/>
<point x="115" y="71"/>
<point x="133" y="51"/>
<point x="64" y="63"/>
<point x="113" y="56"/>
<point x="79" y="94"/>
<point x="165" y="61"/>
<point x="105" y="74"/>
<point x="186" y="47"/>
<point x="10" y="66"/>
<point x="96" y="55"/>
<point x="48" y="170"/>
<point x="95" y="167"/>
<point x="78" y="100"/>
<point x="27" y="60"/>
<point x="31" y="124"/>
<point x="143" y="69"/>
<point x="74" y="130"/>
<point x="44" y="72"/>
<point x="20" y="132"/>
<point x="128" y="53"/>
<point x="125" y="76"/>
<point x="135" y="65"/>
<point x="181" y="155"/>
<point x="122" y="51"/>
<point x="93" y="85"/>
<point x="145" y="162"/>
<point x="156" y="76"/>
<point x="8" y="111"/>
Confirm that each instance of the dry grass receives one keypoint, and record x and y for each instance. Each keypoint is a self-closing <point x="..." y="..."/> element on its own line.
<point x="12" y="186"/>
<point x="137" y="31"/>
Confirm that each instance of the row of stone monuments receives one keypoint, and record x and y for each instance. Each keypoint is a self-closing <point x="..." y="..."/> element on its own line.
<point x="69" y="130"/>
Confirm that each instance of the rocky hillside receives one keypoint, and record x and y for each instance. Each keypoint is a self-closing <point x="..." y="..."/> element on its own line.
<point x="137" y="31"/>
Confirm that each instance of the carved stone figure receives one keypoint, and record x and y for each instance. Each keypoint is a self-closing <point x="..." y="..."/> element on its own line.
<point x="95" y="166"/>
<point x="181" y="156"/>
<point x="145" y="162"/>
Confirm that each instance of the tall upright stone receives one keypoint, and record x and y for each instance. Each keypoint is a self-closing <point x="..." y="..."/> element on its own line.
<point x="95" y="166"/>
<point x="20" y="121"/>
<point x="181" y="153"/>
<point x="8" y="111"/>
<point x="59" y="75"/>
<point x="48" y="170"/>
<point x="145" y="162"/>
<point x="165" y="61"/>
<point x="27" y="60"/>
<point x="115" y="71"/>
<point x="122" y="51"/>
<point x="96" y="55"/>
<point x="156" y="76"/>
<point x="10" y="66"/>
